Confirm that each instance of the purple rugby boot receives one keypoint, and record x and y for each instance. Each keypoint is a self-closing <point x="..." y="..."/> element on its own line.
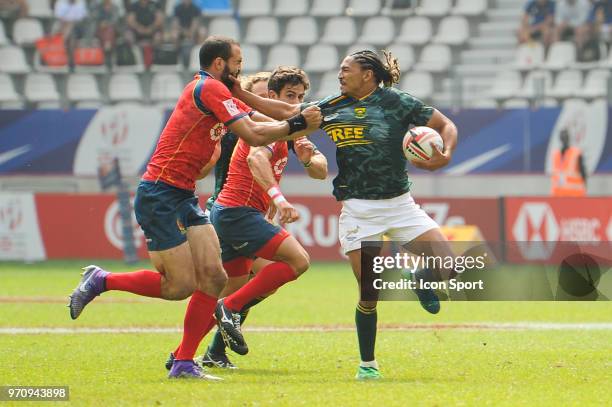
<point x="188" y="369"/>
<point x="92" y="284"/>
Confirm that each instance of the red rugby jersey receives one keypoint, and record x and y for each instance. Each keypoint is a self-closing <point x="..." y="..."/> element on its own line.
<point x="196" y="125"/>
<point x="240" y="188"/>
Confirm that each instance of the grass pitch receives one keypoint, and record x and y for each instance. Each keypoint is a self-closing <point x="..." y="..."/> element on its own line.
<point x="313" y="358"/>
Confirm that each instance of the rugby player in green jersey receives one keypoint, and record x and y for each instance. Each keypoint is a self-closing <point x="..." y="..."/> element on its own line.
<point x="367" y="121"/>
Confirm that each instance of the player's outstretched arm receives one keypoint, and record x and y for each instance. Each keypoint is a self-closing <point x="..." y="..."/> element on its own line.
<point x="275" y="109"/>
<point x="448" y="131"/>
<point x="264" y="132"/>
<point x="259" y="164"/>
<point x="313" y="161"/>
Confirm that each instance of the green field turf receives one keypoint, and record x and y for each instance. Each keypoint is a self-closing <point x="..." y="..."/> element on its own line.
<point x="434" y="366"/>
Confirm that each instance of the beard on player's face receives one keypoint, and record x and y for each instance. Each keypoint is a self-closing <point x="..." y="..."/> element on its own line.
<point x="226" y="74"/>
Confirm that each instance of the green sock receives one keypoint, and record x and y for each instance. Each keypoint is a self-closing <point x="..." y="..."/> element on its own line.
<point x="365" y="320"/>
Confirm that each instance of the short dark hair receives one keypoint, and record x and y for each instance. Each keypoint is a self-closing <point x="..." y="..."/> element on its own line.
<point x="215" y="47"/>
<point x="287" y="75"/>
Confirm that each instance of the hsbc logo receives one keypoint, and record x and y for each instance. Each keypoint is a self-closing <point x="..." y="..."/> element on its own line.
<point x="536" y="230"/>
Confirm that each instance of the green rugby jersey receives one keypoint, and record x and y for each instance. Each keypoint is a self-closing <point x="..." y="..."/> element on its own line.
<point x="368" y="135"/>
<point x="228" y="142"/>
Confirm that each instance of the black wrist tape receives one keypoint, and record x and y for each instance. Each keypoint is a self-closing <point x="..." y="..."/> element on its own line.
<point x="296" y="123"/>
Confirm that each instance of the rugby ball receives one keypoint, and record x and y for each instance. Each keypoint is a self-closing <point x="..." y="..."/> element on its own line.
<point x="418" y="143"/>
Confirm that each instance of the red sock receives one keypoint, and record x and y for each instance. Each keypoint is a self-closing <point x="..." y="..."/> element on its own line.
<point x="210" y="326"/>
<point x="198" y="321"/>
<point x="268" y="279"/>
<point x="141" y="282"/>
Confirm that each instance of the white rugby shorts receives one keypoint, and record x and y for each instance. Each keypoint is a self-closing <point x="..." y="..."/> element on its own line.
<point x="399" y="218"/>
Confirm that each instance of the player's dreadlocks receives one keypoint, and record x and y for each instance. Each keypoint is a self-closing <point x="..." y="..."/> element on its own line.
<point x="387" y="72"/>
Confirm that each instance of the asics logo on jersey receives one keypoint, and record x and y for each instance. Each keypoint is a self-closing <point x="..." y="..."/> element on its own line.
<point x="330" y="117"/>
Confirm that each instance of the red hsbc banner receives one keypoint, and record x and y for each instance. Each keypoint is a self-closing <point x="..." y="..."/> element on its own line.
<point x="537" y="223"/>
<point x="317" y="229"/>
<point x="88" y="226"/>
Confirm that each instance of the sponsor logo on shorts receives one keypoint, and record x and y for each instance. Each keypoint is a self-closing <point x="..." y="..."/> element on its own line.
<point x="238" y="247"/>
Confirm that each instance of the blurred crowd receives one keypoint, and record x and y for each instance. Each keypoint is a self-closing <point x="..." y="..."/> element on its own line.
<point x="109" y="23"/>
<point x="587" y="23"/>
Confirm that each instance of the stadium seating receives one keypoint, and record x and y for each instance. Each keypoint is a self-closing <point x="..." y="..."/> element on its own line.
<point x="437" y="8"/>
<point x="404" y="54"/>
<point x="27" y="30"/>
<point x="321" y="58"/>
<point x="567" y="83"/>
<point x="82" y="88"/>
<point x="529" y="56"/>
<point x="359" y="47"/>
<point x="253" y="8"/>
<point x="40" y="8"/>
<point x="329" y="85"/>
<point x="166" y="88"/>
<point x="536" y="83"/>
<point x="595" y="84"/>
<point x="251" y="57"/>
<point x="291" y="8"/>
<point x="434" y="58"/>
<point x="418" y="84"/>
<point x="40" y="88"/>
<point x="138" y="67"/>
<point x="415" y="31"/>
<point x="301" y="31"/>
<point x="40" y="67"/>
<point x="3" y="38"/>
<point x="453" y="30"/>
<point x="226" y="26"/>
<point x="13" y="60"/>
<point x="9" y="98"/>
<point x="339" y="31"/>
<point x="363" y="8"/>
<point x="263" y="31"/>
<point x="125" y="87"/>
<point x="506" y="84"/>
<point x="471" y="8"/>
<point x="378" y="31"/>
<point x="327" y="8"/>
<point x="283" y="54"/>
<point x="560" y="56"/>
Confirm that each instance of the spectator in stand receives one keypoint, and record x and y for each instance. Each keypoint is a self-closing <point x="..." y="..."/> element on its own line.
<point x="570" y="19"/>
<point x="146" y="21"/>
<point x="10" y="10"/>
<point x="602" y="11"/>
<point x="106" y="18"/>
<point x="537" y="22"/>
<point x="13" y="9"/>
<point x="187" y="27"/>
<point x="71" y="20"/>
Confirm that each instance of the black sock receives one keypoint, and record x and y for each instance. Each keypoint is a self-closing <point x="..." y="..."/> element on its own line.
<point x="365" y="320"/>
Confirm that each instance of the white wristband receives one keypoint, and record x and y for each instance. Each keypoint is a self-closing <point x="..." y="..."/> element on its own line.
<point x="276" y="195"/>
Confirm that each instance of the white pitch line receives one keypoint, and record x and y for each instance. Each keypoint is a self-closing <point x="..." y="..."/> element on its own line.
<point x="478" y="326"/>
